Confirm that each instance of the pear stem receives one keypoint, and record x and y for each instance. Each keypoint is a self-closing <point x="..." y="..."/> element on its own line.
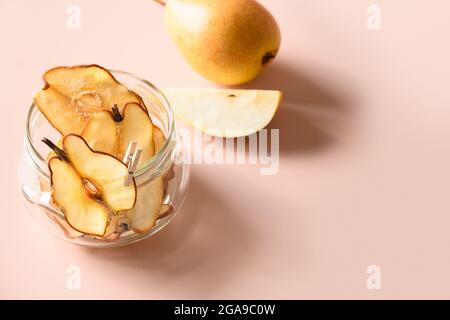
<point x="116" y="114"/>
<point x="161" y="2"/>
<point x="59" y="152"/>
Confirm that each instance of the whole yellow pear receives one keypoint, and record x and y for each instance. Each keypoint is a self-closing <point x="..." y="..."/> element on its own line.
<point x="226" y="41"/>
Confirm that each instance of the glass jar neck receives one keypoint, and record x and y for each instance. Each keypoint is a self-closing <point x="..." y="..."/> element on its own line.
<point x="149" y="170"/>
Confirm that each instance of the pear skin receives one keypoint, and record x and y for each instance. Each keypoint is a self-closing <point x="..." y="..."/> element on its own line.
<point x="228" y="42"/>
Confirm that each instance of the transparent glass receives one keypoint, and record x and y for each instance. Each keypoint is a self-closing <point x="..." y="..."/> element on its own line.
<point x="34" y="174"/>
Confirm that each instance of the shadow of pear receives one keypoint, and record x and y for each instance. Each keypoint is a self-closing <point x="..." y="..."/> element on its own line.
<point x="205" y="239"/>
<point x="312" y="113"/>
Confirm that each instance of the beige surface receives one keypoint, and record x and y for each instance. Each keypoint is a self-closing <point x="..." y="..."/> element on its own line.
<point x="365" y="159"/>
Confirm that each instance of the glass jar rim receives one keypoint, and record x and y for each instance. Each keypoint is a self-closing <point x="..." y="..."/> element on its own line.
<point x="155" y="163"/>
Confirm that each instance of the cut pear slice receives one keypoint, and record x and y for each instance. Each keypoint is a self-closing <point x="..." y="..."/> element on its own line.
<point x="104" y="171"/>
<point x="165" y="210"/>
<point x="59" y="111"/>
<point x="224" y="112"/>
<point x="101" y="133"/>
<point x="149" y="198"/>
<point x="148" y="203"/>
<point x="112" y="134"/>
<point x="158" y="138"/>
<point x="82" y="212"/>
<point x="71" y="95"/>
<point x="137" y="126"/>
<point x="90" y="87"/>
<point x="65" y="227"/>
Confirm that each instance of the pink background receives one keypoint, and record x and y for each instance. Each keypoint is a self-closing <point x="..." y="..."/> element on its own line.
<point x="365" y="159"/>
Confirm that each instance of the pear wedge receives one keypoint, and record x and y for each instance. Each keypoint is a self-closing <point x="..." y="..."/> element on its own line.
<point x="104" y="171"/>
<point x="71" y="96"/>
<point x="83" y="213"/>
<point x="224" y="112"/>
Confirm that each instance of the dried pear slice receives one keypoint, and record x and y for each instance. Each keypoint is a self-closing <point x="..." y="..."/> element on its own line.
<point x="72" y="95"/>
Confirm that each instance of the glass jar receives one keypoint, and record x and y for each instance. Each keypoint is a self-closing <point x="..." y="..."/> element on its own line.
<point x="167" y="164"/>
